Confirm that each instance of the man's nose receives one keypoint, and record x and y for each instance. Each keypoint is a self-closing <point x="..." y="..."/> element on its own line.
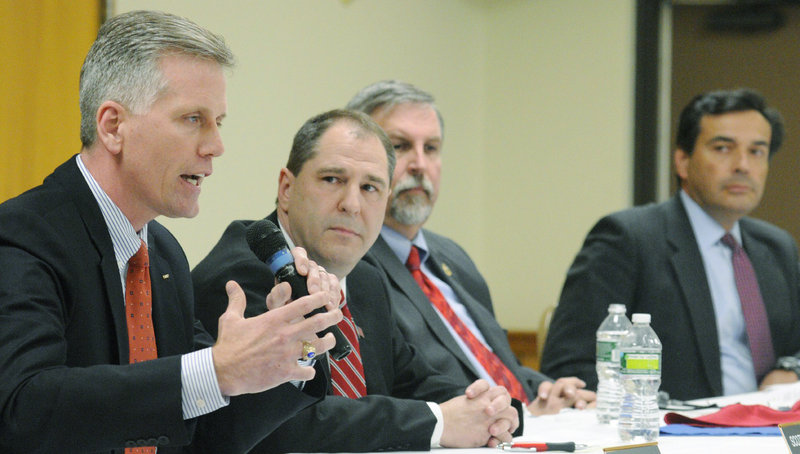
<point x="351" y="199"/>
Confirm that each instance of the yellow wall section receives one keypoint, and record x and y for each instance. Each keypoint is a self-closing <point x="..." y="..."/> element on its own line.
<point x="43" y="46"/>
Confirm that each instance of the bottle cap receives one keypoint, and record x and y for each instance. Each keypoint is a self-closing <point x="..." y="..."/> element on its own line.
<point x="617" y="308"/>
<point x="641" y="318"/>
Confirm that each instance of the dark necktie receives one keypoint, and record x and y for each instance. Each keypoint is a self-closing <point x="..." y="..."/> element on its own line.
<point x="498" y="371"/>
<point x="755" y="315"/>
<point x="138" y="304"/>
<point x="347" y="374"/>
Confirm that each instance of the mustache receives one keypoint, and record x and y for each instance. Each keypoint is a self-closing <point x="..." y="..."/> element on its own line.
<point x="413" y="182"/>
<point x="740" y="179"/>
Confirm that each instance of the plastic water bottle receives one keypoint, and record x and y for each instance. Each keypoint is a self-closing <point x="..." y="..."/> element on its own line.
<point x="640" y="373"/>
<point x="609" y="387"/>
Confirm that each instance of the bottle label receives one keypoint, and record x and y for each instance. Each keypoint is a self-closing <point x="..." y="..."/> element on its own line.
<point x="607" y="352"/>
<point x="638" y="363"/>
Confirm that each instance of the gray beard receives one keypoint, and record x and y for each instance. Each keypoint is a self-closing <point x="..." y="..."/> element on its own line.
<point x="410" y="210"/>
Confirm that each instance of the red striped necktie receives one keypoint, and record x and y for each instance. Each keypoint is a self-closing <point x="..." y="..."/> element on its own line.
<point x="347" y="374"/>
<point x="498" y="371"/>
<point x="138" y="304"/>
<point x="755" y="314"/>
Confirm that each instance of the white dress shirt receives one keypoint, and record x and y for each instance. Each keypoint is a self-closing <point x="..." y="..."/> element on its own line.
<point x="200" y="391"/>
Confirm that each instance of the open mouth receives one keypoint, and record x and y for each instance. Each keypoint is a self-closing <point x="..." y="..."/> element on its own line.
<point x="193" y="179"/>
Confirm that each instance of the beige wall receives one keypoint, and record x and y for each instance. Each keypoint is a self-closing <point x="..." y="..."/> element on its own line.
<point x="537" y="97"/>
<point x="558" y="143"/>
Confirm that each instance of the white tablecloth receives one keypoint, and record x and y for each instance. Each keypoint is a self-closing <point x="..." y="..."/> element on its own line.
<point x="581" y="426"/>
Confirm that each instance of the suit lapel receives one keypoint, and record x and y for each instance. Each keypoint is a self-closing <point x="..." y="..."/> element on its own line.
<point x="770" y="281"/>
<point x="115" y="297"/>
<point x="479" y="314"/>
<point x="360" y="294"/>
<point x="167" y="307"/>
<point x="402" y="279"/>
<point x="687" y="264"/>
<point x="69" y="176"/>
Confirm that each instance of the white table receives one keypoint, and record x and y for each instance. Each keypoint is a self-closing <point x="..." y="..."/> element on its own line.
<point x="581" y="426"/>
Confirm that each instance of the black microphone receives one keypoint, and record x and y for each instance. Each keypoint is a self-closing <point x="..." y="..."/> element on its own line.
<point x="268" y="244"/>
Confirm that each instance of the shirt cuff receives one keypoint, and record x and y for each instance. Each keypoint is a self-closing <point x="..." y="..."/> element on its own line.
<point x="200" y="393"/>
<point x="300" y="384"/>
<point x="436" y="437"/>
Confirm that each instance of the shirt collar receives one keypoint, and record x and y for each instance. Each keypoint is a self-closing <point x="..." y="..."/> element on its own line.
<point x="290" y="245"/>
<point x="401" y="246"/>
<point x="125" y="239"/>
<point x="289" y="242"/>
<point x="707" y="231"/>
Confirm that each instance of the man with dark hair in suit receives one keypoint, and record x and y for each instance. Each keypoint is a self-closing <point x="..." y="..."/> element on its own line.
<point x="331" y="200"/>
<point x="99" y="347"/>
<point x="455" y="329"/>
<point x="722" y="288"/>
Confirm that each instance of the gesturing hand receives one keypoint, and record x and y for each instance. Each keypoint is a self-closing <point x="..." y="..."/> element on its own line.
<point x="258" y="353"/>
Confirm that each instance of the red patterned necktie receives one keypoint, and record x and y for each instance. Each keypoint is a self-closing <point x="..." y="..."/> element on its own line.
<point x="138" y="304"/>
<point x="499" y="372"/>
<point x="347" y="374"/>
<point x="755" y="314"/>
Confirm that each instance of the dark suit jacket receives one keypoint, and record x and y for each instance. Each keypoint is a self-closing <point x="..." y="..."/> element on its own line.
<point x="65" y="385"/>
<point x="647" y="258"/>
<point x="394" y="415"/>
<point x="423" y="327"/>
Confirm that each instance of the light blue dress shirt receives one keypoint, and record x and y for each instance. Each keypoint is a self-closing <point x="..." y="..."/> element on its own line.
<point x="401" y="248"/>
<point x="200" y="391"/>
<point x="738" y="375"/>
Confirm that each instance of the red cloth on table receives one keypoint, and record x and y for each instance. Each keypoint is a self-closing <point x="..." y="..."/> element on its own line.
<point x="739" y="415"/>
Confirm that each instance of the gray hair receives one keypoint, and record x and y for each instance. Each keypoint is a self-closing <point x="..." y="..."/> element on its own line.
<point x="122" y="64"/>
<point x="304" y="145"/>
<point x="389" y="93"/>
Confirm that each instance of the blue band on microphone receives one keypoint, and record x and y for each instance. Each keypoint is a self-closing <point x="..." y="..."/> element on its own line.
<point x="280" y="259"/>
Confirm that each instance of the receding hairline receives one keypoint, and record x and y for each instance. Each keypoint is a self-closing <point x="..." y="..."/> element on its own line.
<point x="362" y="133"/>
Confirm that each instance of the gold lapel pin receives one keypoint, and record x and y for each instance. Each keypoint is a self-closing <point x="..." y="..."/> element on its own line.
<point x="165" y="276"/>
<point x="446" y="270"/>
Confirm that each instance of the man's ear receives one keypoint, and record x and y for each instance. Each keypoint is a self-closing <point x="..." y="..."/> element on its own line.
<point x="109" y="119"/>
<point x="285" y="184"/>
<point x="681" y="160"/>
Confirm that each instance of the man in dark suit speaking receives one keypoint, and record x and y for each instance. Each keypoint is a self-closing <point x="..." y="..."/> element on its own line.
<point x="722" y="288"/>
<point x="99" y="347"/>
<point x="331" y="200"/>
<point x="443" y="306"/>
